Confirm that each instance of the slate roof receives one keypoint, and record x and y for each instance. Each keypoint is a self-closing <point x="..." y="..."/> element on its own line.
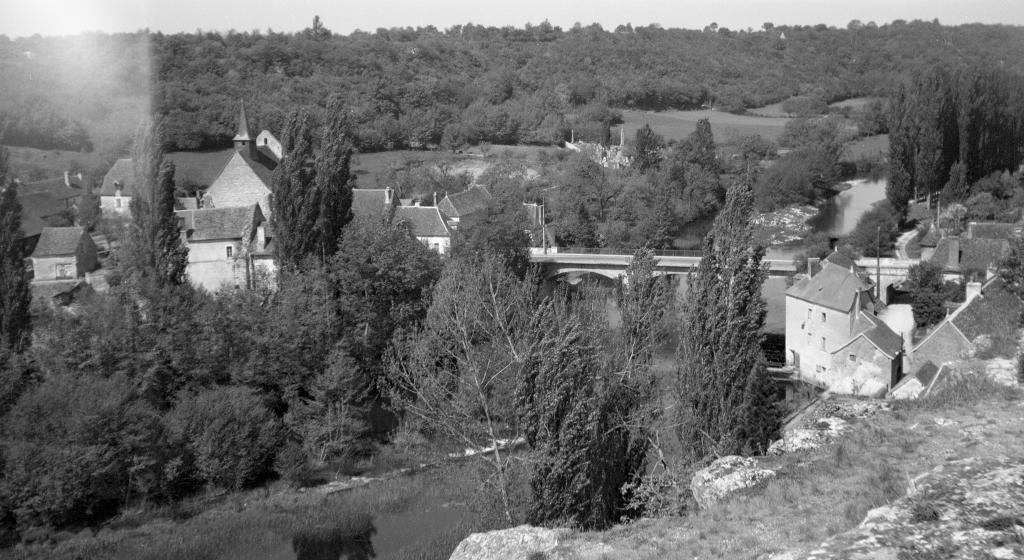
<point x="123" y="173"/>
<point x="473" y="199"/>
<point x="219" y="223"/>
<point x="54" y="188"/>
<point x="243" y="126"/>
<point x="974" y="319"/>
<point x="424" y="221"/>
<point x="201" y="168"/>
<point x="242" y="182"/>
<point x="967" y="254"/>
<point x="992" y="230"/>
<point x="40" y="204"/>
<point x="833" y="286"/>
<point x="58" y="241"/>
<point x="368" y="202"/>
<point x="879" y="334"/>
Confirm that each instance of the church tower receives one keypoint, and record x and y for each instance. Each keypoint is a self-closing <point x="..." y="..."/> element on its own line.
<point x="244" y="143"/>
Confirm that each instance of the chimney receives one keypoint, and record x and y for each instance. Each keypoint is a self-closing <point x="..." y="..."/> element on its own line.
<point x="416" y="203"/>
<point x="67" y="178"/>
<point x="388" y="196"/>
<point x="954" y="252"/>
<point x="80" y="176"/>
<point x="809" y="270"/>
<point x="622" y="136"/>
<point x="972" y="290"/>
<point x="435" y="198"/>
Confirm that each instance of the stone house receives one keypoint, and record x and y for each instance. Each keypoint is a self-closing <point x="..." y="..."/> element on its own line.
<point x="457" y="206"/>
<point x="118" y="188"/>
<point x="989" y="315"/>
<point x="220" y="243"/>
<point x="428" y="225"/>
<point x="833" y="337"/>
<point x="63" y="253"/>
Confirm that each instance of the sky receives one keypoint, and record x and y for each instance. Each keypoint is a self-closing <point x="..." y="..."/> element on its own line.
<point x="19" y="18"/>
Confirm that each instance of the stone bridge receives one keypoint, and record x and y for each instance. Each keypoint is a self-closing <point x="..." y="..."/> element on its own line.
<point x="611" y="265"/>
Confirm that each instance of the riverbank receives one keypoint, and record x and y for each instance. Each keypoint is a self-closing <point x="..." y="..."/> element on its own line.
<point x="423" y="515"/>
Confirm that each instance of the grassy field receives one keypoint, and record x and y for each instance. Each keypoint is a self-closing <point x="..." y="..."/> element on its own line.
<point x="774" y="110"/>
<point x="30" y="164"/>
<point x="679" y="124"/>
<point x="827" y="491"/>
<point x="369" y="168"/>
<point x="869" y="147"/>
<point x="853" y="103"/>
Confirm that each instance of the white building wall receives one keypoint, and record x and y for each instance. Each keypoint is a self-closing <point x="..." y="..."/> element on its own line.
<point x="440" y="245"/>
<point x="46" y="268"/>
<point x="812" y="333"/>
<point x="211" y="268"/>
<point x="115" y="205"/>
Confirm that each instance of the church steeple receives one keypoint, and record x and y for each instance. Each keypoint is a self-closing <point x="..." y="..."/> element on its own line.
<point x="243" y="142"/>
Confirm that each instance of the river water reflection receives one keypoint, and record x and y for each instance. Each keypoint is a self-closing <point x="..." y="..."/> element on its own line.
<point x="837" y="217"/>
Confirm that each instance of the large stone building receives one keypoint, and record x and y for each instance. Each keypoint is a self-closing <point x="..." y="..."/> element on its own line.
<point x="833" y="337"/>
<point x="246" y="177"/>
<point x="224" y="245"/>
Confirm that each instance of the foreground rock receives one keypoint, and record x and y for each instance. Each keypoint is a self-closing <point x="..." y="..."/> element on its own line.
<point x="972" y="508"/>
<point x="822" y="432"/>
<point x="516" y="543"/>
<point x="725" y="477"/>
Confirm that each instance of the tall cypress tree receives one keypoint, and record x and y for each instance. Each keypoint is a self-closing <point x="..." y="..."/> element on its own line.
<point x="15" y="297"/>
<point x="333" y="185"/>
<point x="724" y="403"/>
<point x="293" y="216"/>
<point x="153" y="246"/>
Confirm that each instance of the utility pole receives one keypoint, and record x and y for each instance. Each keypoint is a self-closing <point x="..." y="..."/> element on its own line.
<point x="878" y="264"/>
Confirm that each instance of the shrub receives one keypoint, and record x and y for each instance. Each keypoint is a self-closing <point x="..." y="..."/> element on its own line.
<point x="229" y="434"/>
<point x="292" y="465"/>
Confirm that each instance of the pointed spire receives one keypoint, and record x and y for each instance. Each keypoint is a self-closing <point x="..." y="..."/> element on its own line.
<point x="243" y="126"/>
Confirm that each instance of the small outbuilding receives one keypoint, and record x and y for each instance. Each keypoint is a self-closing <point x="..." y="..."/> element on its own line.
<point x="63" y="253"/>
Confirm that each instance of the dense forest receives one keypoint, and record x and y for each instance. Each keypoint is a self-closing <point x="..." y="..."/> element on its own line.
<point x="426" y="87"/>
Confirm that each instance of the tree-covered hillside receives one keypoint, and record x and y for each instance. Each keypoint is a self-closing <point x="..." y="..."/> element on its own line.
<point x="422" y="87"/>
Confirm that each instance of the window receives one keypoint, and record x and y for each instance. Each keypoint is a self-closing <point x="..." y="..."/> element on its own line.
<point x="822" y="316"/>
<point x="117" y="203"/>
<point x="808" y="313"/>
<point x="822" y="343"/>
<point x="853" y="357"/>
<point x="65" y="270"/>
<point x="229" y="251"/>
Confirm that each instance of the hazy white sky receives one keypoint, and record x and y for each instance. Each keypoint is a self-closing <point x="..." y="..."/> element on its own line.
<point x="59" y="17"/>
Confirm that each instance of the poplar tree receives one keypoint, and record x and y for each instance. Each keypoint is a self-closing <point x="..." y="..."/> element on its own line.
<point x="724" y="403"/>
<point x="312" y="199"/>
<point x="15" y="296"/>
<point x="332" y="185"/>
<point x="153" y="247"/>
<point x="293" y="215"/>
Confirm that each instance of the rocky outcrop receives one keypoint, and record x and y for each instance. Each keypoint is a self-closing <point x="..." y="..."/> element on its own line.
<point x="516" y="543"/>
<point x="725" y="477"/>
<point x="972" y="508"/>
<point x="822" y="432"/>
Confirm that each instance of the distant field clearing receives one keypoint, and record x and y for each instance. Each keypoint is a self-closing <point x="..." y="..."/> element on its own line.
<point x="679" y="124"/>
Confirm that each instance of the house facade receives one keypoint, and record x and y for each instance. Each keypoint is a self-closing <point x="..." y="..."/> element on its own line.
<point x="220" y="244"/>
<point x="833" y="337"/>
<point x="63" y="253"/>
